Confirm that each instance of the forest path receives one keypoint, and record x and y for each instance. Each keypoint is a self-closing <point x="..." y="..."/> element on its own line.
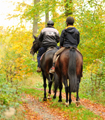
<point x="36" y="110"/>
<point x="39" y="111"/>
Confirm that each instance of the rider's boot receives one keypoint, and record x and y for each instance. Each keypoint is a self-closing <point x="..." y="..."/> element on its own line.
<point x="38" y="69"/>
<point x="52" y="69"/>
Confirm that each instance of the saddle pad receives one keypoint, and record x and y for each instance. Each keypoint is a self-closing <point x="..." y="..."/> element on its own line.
<point x="50" y="48"/>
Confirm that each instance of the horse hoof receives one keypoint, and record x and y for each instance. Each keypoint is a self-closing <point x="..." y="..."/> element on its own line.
<point x="59" y="100"/>
<point x="67" y="104"/>
<point x="49" y="96"/>
<point x="54" y="97"/>
<point x="78" y="103"/>
<point x="44" y="99"/>
<point x="70" y="101"/>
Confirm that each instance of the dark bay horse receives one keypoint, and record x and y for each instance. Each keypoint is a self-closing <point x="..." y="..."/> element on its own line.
<point x="45" y="63"/>
<point x="69" y="65"/>
<point x="36" y="45"/>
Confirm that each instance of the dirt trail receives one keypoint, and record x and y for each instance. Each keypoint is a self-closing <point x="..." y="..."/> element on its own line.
<point x="96" y="108"/>
<point x="36" y="110"/>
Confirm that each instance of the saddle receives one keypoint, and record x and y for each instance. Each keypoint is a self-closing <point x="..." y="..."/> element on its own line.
<point x="75" y="49"/>
<point x="69" y="48"/>
<point x="49" y="48"/>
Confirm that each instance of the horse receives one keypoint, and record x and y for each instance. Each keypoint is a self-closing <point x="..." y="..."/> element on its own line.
<point x="45" y="64"/>
<point x="36" y="45"/>
<point x="69" y="66"/>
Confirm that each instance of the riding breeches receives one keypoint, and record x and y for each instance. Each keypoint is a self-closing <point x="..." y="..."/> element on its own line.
<point x="57" y="53"/>
<point x="40" y="52"/>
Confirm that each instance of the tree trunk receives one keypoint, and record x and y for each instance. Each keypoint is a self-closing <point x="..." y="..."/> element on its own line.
<point x="46" y="13"/>
<point x="46" y="18"/>
<point x="54" y="10"/>
<point x="35" y="20"/>
<point x="68" y="7"/>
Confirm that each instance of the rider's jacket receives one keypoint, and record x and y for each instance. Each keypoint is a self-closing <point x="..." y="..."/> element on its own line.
<point x="70" y="37"/>
<point x="49" y="37"/>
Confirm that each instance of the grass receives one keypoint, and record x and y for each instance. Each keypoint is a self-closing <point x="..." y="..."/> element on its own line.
<point x="36" y="81"/>
<point x="33" y="92"/>
<point x="72" y="112"/>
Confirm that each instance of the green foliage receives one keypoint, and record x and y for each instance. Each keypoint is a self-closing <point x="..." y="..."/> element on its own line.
<point x="91" y="26"/>
<point x="15" y="65"/>
<point x="94" y="82"/>
<point x="16" y="62"/>
<point x="34" y="92"/>
<point x="89" y="20"/>
<point x="68" y="7"/>
<point x="9" y="96"/>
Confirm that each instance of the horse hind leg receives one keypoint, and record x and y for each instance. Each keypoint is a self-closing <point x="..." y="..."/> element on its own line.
<point x="77" y="98"/>
<point x="60" y="90"/>
<point x="66" y="90"/>
<point x="49" y="93"/>
<point x="56" y="84"/>
<point x="70" y="100"/>
<point x="50" y="85"/>
<point x="55" y="91"/>
<point x="44" y="85"/>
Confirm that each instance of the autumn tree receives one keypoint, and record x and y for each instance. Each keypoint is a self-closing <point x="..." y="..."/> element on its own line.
<point x="68" y="7"/>
<point x="46" y="12"/>
<point x="35" y="19"/>
<point x="89" y="20"/>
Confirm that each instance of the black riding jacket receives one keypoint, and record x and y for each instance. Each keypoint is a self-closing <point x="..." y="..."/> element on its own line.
<point x="49" y="37"/>
<point x="70" y="37"/>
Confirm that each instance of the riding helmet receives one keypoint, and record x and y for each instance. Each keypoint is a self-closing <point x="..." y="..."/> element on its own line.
<point x="70" y="20"/>
<point x="50" y="22"/>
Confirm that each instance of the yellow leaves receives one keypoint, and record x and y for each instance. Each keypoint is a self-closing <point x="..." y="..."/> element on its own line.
<point x="94" y="67"/>
<point x="16" y="47"/>
<point x="1" y="28"/>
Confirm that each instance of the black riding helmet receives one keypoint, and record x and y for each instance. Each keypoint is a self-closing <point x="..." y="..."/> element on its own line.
<point x="70" y="20"/>
<point x="50" y="23"/>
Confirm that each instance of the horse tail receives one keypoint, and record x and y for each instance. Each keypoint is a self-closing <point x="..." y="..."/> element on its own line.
<point x="72" y="71"/>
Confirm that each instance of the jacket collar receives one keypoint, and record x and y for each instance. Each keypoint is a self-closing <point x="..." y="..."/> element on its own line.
<point x="69" y="26"/>
<point x="49" y="27"/>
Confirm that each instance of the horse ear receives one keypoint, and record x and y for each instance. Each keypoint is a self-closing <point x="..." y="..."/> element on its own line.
<point x="34" y="37"/>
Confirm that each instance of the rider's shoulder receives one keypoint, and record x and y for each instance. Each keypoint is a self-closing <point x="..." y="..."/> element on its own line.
<point x="63" y="31"/>
<point x="76" y="30"/>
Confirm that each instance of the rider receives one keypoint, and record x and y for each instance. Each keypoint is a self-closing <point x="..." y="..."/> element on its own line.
<point x="49" y="37"/>
<point x="70" y="37"/>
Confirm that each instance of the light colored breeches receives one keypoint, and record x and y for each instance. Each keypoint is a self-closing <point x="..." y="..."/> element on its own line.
<point x="57" y="53"/>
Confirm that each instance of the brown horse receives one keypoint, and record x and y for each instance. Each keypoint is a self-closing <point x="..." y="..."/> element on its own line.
<point x="45" y="64"/>
<point x="69" y="66"/>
